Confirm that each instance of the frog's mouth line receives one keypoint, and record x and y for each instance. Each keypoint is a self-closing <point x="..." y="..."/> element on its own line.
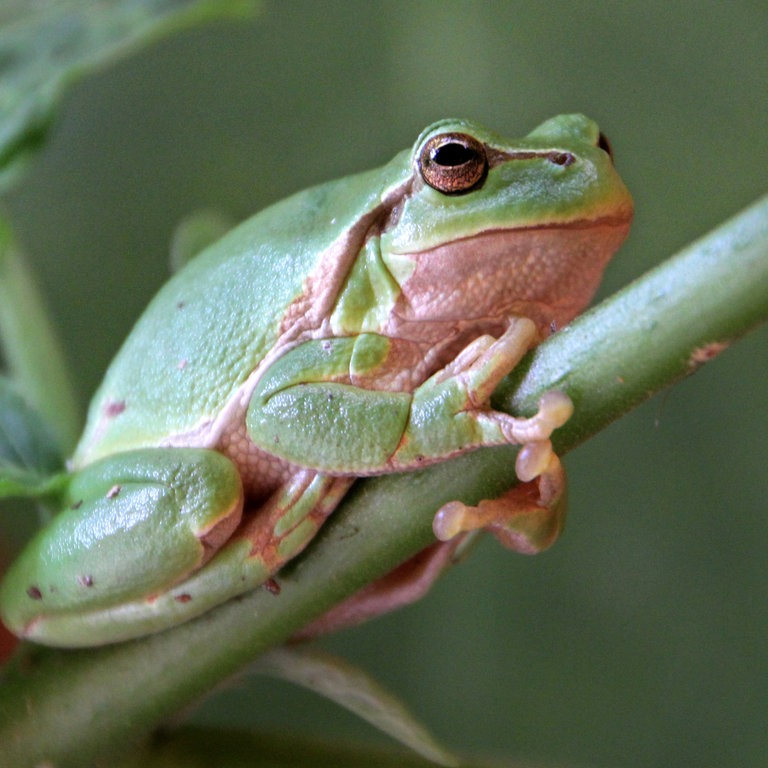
<point x="621" y="219"/>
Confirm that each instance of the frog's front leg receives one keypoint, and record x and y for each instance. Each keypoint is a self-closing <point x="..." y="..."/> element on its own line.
<point x="529" y="517"/>
<point x="350" y="430"/>
<point x="150" y="538"/>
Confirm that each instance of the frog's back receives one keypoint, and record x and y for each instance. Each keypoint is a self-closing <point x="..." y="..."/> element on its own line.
<point x="211" y="325"/>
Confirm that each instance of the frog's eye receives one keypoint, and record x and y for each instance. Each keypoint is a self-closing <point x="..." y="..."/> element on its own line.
<point x="453" y="163"/>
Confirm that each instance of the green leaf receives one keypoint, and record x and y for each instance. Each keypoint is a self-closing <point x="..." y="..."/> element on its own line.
<point x="28" y="454"/>
<point x="45" y="46"/>
<point x="31" y="346"/>
<point x="355" y="690"/>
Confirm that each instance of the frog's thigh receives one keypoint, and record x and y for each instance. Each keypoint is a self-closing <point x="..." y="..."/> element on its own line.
<point x="269" y="536"/>
<point x="528" y="518"/>
<point x="131" y="525"/>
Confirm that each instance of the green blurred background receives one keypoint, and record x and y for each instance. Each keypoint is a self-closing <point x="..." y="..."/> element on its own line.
<point x="640" y="638"/>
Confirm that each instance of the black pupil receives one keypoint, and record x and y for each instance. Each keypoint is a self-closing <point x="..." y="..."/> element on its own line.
<point x="452" y="154"/>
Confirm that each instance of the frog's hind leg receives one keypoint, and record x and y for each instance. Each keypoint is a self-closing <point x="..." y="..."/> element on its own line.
<point x="287" y="522"/>
<point x="402" y="586"/>
<point x="130" y="527"/>
<point x="270" y="536"/>
<point x="266" y="539"/>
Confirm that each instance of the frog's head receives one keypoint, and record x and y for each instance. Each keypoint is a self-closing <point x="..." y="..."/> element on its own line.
<point x="492" y="227"/>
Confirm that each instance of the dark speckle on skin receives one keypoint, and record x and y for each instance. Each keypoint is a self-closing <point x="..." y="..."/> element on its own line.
<point x="86" y="581"/>
<point x="272" y="587"/>
<point x="77" y="504"/>
<point x="35" y="593"/>
<point x="114" y="408"/>
<point x="184" y="597"/>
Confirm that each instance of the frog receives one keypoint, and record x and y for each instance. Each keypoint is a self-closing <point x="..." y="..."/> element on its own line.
<point x="353" y="329"/>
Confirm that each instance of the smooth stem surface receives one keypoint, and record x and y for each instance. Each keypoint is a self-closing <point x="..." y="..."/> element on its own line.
<point x="67" y="707"/>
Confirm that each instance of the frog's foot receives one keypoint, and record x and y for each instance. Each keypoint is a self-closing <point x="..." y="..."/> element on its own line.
<point x="285" y="524"/>
<point x="528" y="518"/>
<point x="477" y="371"/>
<point x="555" y="408"/>
<point x="406" y="584"/>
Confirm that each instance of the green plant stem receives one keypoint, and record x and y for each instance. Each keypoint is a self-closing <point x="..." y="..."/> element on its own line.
<point x="67" y="707"/>
<point x="32" y="350"/>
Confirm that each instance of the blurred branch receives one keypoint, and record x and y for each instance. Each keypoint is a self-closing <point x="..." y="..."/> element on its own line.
<point x="78" y="705"/>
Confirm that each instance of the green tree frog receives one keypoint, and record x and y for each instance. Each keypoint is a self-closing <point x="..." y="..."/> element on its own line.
<point x="353" y="329"/>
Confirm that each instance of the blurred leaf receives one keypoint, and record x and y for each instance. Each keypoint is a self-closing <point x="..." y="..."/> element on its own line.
<point x="46" y="45"/>
<point x="28" y="454"/>
<point x="355" y="690"/>
<point x="31" y="345"/>
<point x="205" y="747"/>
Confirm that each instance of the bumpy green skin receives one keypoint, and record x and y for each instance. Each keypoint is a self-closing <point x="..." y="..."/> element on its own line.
<point x="305" y="348"/>
<point x="210" y="326"/>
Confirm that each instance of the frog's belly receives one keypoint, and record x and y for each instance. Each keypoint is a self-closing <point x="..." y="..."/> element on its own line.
<point x="261" y="472"/>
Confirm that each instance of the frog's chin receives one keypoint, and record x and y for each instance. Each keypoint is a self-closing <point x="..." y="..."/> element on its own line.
<point x="548" y="273"/>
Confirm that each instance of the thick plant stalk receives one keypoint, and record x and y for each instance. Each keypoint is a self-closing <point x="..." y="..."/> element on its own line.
<point x="67" y="708"/>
